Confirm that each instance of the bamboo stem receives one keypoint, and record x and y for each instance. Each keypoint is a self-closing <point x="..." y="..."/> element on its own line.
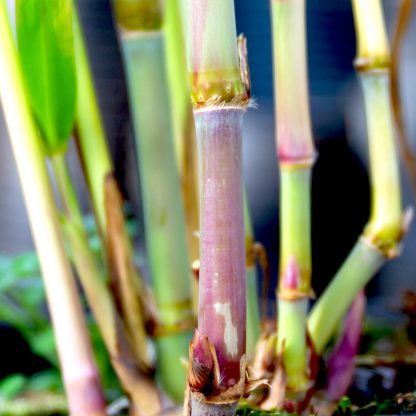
<point x="94" y="284"/>
<point x="220" y="90"/>
<point x="144" y="59"/>
<point x="183" y="129"/>
<point x="381" y="238"/>
<point x="79" y="370"/>
<point x="296" y="157"/>
<point x="222" y="295"/>
<point x="91" y="141"/>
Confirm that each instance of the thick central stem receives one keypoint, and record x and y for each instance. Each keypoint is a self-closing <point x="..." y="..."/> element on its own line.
<point x="222" y="309"/>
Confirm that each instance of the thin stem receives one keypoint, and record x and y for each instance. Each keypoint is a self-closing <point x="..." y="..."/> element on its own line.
<point x="296" y="155"/>
<point x="162" y="202"/>
<point x="79" y="370"/>
<point x="183" y="128"/>
<point x="66" y="190"/>
<point x="91" y="137"/>
<point x="360" y="266"/>
<point x="129" y="356"/>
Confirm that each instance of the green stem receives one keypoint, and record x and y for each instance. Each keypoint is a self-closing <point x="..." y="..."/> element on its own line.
<point x="79" y="370"/>
<point x="295" y="273"/>
<point x="66" y="190"/>
<point x="360" y="266"/>
<point x="127" y="354"/>
<point x="296" y="154"/>
<point x="386" y="227"/>
<point x="164" y="217"/>
<point x="386" y="213"/>
<point x="91" y="137"/>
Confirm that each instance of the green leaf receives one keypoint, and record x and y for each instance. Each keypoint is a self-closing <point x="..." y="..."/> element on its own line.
<point x="46" y="49"/>
<point x="48" y="380"/>
<point x="12" y="385"/>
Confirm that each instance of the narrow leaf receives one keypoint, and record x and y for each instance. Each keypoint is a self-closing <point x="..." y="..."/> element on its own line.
<point x="46" y="49"/>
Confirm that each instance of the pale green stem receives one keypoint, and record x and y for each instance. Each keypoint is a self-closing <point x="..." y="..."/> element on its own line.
<point x="178" y="78"/>
<point x="66" y="190"/>
<point x="295" y="272"/>
<point x="92" y="143"/>
<point x="125" y="362"/>
<point x="296" y="154"/>
<point x="163" y="209"/>
<point x="386" y="211"/>
<point x="295" y="226"/>
<point x="79" y="370"/>
<point x="381" y="238"/>
<point x="292" y="340"/>
<point x="360" y="266"/>
<point x="92" y="279"/>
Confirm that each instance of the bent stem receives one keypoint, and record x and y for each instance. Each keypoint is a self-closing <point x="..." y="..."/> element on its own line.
<point x="79" y="370"/>
<point x="296" y="157"/>
<point x="144" y="60"/>
<point x="381" y="238"/>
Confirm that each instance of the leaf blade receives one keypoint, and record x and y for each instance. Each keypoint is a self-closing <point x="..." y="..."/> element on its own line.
<point x="46" y="49"/>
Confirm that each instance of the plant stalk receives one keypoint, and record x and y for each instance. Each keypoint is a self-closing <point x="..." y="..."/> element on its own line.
<point x="381" y="237"/>
<point x="296" y="156"/>
<point x="93" y="148"/>
<point x="183" y="129"/>
<point x="220" y="90"/>
<point x="144" y="59"/>
<point x="79" y="369"/>
<point x="92" y="279"/>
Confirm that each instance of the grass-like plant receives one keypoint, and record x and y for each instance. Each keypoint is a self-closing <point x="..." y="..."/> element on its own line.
<point x="79" y="371"/>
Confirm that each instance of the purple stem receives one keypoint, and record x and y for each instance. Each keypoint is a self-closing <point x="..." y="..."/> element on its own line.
<point x="341" y="363"/>
<point x="222" y="280"/>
